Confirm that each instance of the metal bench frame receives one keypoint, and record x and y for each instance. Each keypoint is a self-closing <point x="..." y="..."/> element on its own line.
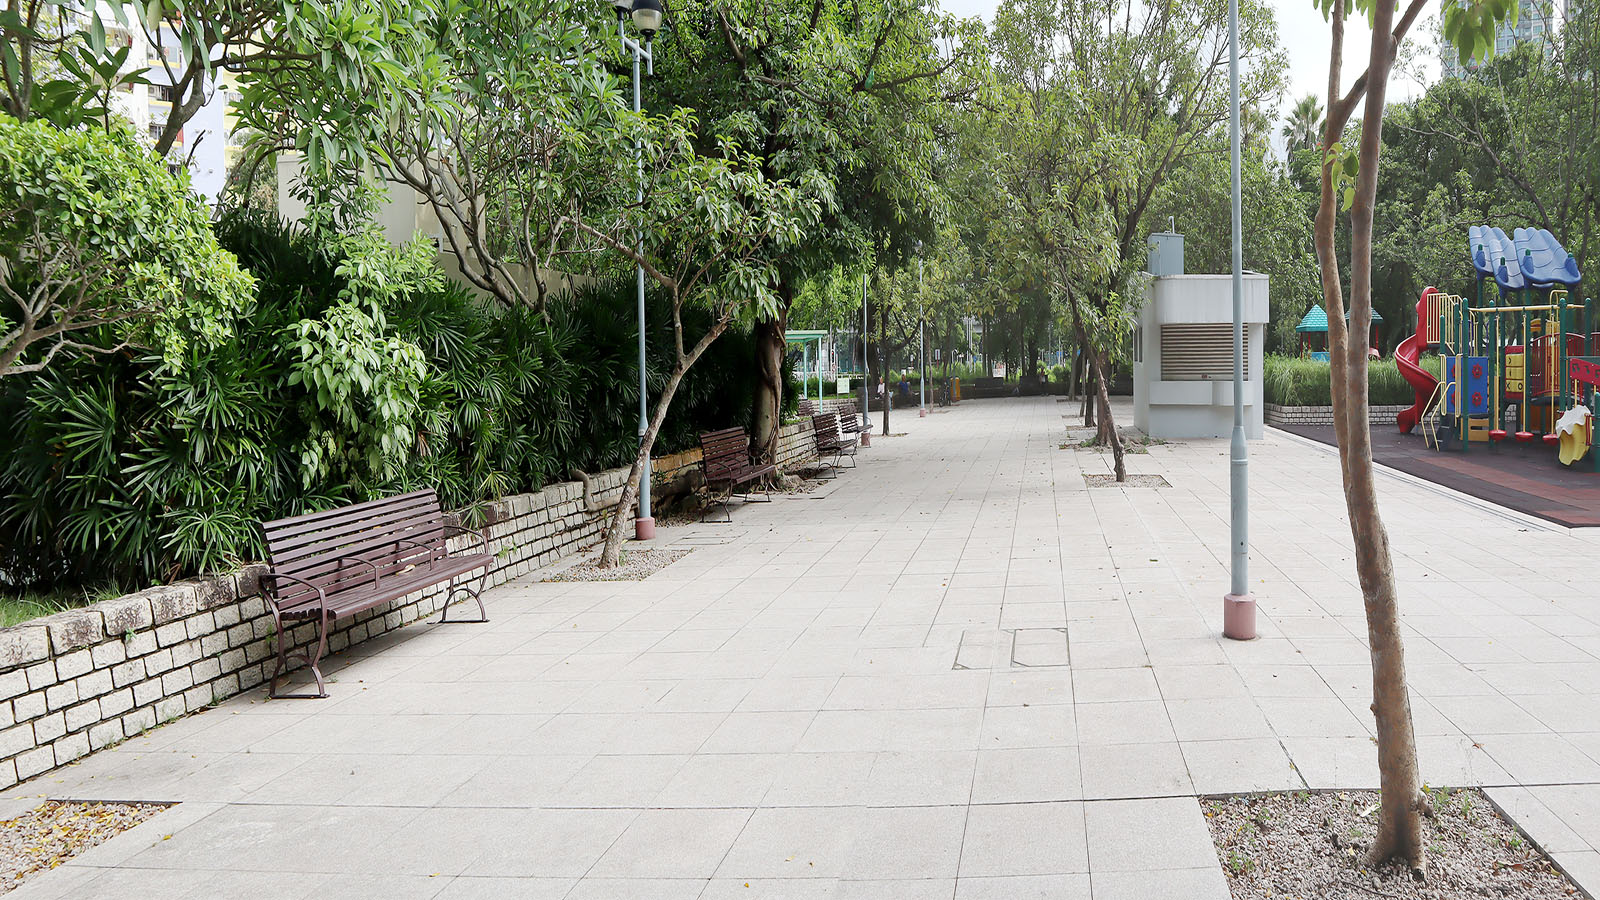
<point x="725" y="462"/>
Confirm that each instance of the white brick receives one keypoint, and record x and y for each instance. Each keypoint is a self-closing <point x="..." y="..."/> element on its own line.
<point x="94" y="684"/>
<point x="41" y="676"/>
<point x="35" y="761"/>
<point x="49" y="728"/>
<point x="127" y="673"/>
<point x="143" y="642"/>
<point x="71" y="747"/>
<point x="83" y="715"/>
<point x="15" y="740"/>
<point x="29" y="706"/>
<point x="176" y="681"/>
<point x="169" y="708"/>
<point x="171" y="633"/>
<point x="105" y="734"/>
<point x="13" y="684"/>
<point x="61" y="695"/>
<point x="141" y="719"/>
<point x="147" y="692"/>
<point x="8" y="774"/>
<point x="185" y="653"/>
<point x="116" y="703"/>
<point x="109" y="654"/>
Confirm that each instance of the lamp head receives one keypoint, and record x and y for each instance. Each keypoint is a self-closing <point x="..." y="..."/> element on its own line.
<point x="647" y="15"/>
<point x="621" y="8"/>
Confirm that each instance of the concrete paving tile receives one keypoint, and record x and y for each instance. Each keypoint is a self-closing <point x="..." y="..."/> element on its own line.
<point x="770" y="889"/>
<point x="1010" y="727"/>
<point x="920" y="778"/>
<point x="1115" y="685"/>
<point x="478" y="887"/>
<point x="1027" y="775"/>
<point x="821" y="779"/>
<point x="1124" y="722"/>
<point x="1113" y="771"/>
<point x="1139" y="835"/>
<point x="552" y="843"/>
<point x="1161" y="884"/>
<point x="1216" y="720"/>
<point x="1334" y="762"/>
<point x="1024" y="887"/>
<point x="908" y="843"/>
<point x="1024" y="839"/>
<point x="1239" y="766"/>
<point x="672" y="843"/>
<point x="794" y="843"/>
<point x="896" y="889"/>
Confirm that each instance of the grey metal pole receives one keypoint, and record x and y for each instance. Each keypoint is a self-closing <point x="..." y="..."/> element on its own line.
<point x="645" y="525"/>
<point x="922" y="348"/>
<point x="1239" y="611"/>
<point x="866" y="415"/>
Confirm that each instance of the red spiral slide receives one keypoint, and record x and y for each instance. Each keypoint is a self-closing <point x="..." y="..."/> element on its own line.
<point x="1406" y="356"/>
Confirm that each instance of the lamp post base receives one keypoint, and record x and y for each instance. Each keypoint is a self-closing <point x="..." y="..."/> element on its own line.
<point x="644" y="529"/>
<point x="866" y="438"/>
<point x="1239" y="617"/>
<point x="922" y="413"/>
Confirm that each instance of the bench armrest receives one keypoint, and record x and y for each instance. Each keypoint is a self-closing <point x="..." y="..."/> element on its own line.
<point x="371" y="565"/>
<point x="432" y="554"/>
<point x="321" y="597"/>
<point x="482" y="541"/>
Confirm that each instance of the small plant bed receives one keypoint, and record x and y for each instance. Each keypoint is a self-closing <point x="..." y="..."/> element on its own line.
<point x="1136" y="481"/>
<point x="1312" y="846"/>
<point x="1133" y="440"/>
<point x="636" y="565"/>
<point x="57" y="830"/>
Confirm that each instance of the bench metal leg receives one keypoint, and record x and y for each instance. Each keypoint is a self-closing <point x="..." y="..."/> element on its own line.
<point x="474" y="593"/>
<point x="723" y="503"/>
<point x="280" y="666"/>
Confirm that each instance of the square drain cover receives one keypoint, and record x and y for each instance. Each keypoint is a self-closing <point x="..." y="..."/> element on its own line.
<point x="1007" y="648"/>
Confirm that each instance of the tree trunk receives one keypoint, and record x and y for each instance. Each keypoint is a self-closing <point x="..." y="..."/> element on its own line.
<point x="1400" y="819"/>
<point x="612" y="554"/>
<point x="766" y="418"/>
<point x="1098" y="365"/>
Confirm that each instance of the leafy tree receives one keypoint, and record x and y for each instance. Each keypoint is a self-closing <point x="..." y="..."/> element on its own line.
<point x="97" y="237"/>
<point x="710" y="227"/>
<point x="1469" y="24"/>
<point x="846" y="92"/>
<point x="1300" y="131"/>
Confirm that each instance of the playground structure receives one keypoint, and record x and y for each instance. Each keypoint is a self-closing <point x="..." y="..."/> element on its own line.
<point x="1519" y="349"/>
<point x="1313" y="332"/>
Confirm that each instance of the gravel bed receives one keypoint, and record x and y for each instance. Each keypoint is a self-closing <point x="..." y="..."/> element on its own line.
<point x="1310" y="846"/>
<point x="1138" y="481"/>
<point x="636" y="565"/>
<point x="55" y="831"/>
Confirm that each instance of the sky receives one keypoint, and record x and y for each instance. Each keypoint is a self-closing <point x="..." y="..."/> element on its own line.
<point x="1305" y="37"/>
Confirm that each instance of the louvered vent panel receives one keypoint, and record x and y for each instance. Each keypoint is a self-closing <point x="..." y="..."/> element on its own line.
<point x="1200" y="351"/>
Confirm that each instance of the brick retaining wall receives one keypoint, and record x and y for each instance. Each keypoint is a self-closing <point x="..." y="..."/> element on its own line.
<point x="84" y="679"/>
<point x="1323" y="415"/>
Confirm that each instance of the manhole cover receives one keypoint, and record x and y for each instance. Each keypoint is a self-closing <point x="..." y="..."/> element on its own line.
<point x="1137" y="481"/>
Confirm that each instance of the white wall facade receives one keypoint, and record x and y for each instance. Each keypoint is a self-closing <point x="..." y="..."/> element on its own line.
<point x="1197" y="407"/>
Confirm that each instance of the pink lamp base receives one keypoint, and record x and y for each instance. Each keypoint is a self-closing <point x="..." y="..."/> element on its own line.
<point x="1239" y="617"/>
<point x="644" y="529"/>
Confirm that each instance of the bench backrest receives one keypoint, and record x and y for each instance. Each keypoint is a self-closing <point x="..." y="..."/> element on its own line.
<point x="826" y="427"/>
<point x="807" y="408"/>
<point x="724" y="451"/>
<point x="321" y="547"/>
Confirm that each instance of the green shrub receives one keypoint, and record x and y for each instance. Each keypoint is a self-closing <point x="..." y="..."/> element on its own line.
<point x="1300" y="381"/>
<point x="331" y="390"/>
<point x="94" y="225"/>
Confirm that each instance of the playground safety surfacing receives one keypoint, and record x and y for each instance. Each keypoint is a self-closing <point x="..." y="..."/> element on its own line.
<point x="1526" y="478"/>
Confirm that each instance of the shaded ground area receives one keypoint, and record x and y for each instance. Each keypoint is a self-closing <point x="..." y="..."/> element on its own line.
<point x="1523" y="477"/>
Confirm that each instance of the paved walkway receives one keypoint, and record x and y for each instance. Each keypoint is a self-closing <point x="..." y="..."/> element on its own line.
<point x="955" y="672"/>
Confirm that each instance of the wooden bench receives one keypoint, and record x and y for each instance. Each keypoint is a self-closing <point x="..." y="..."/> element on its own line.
<point x="725" y="461"/>
<point x="831" y="439"/>
<point x="851" y="422"/>
<point x="326" y="566"/>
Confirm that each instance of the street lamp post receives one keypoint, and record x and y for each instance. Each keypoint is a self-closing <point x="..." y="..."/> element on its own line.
<point x="646" y="15"/>
<point x="922" y="344"/>
<point x="866" y="372"/>
<point x="1238" y="608"/>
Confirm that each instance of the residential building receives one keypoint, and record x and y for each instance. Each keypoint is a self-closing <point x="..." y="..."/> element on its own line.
<point x="1535" y="25"/>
